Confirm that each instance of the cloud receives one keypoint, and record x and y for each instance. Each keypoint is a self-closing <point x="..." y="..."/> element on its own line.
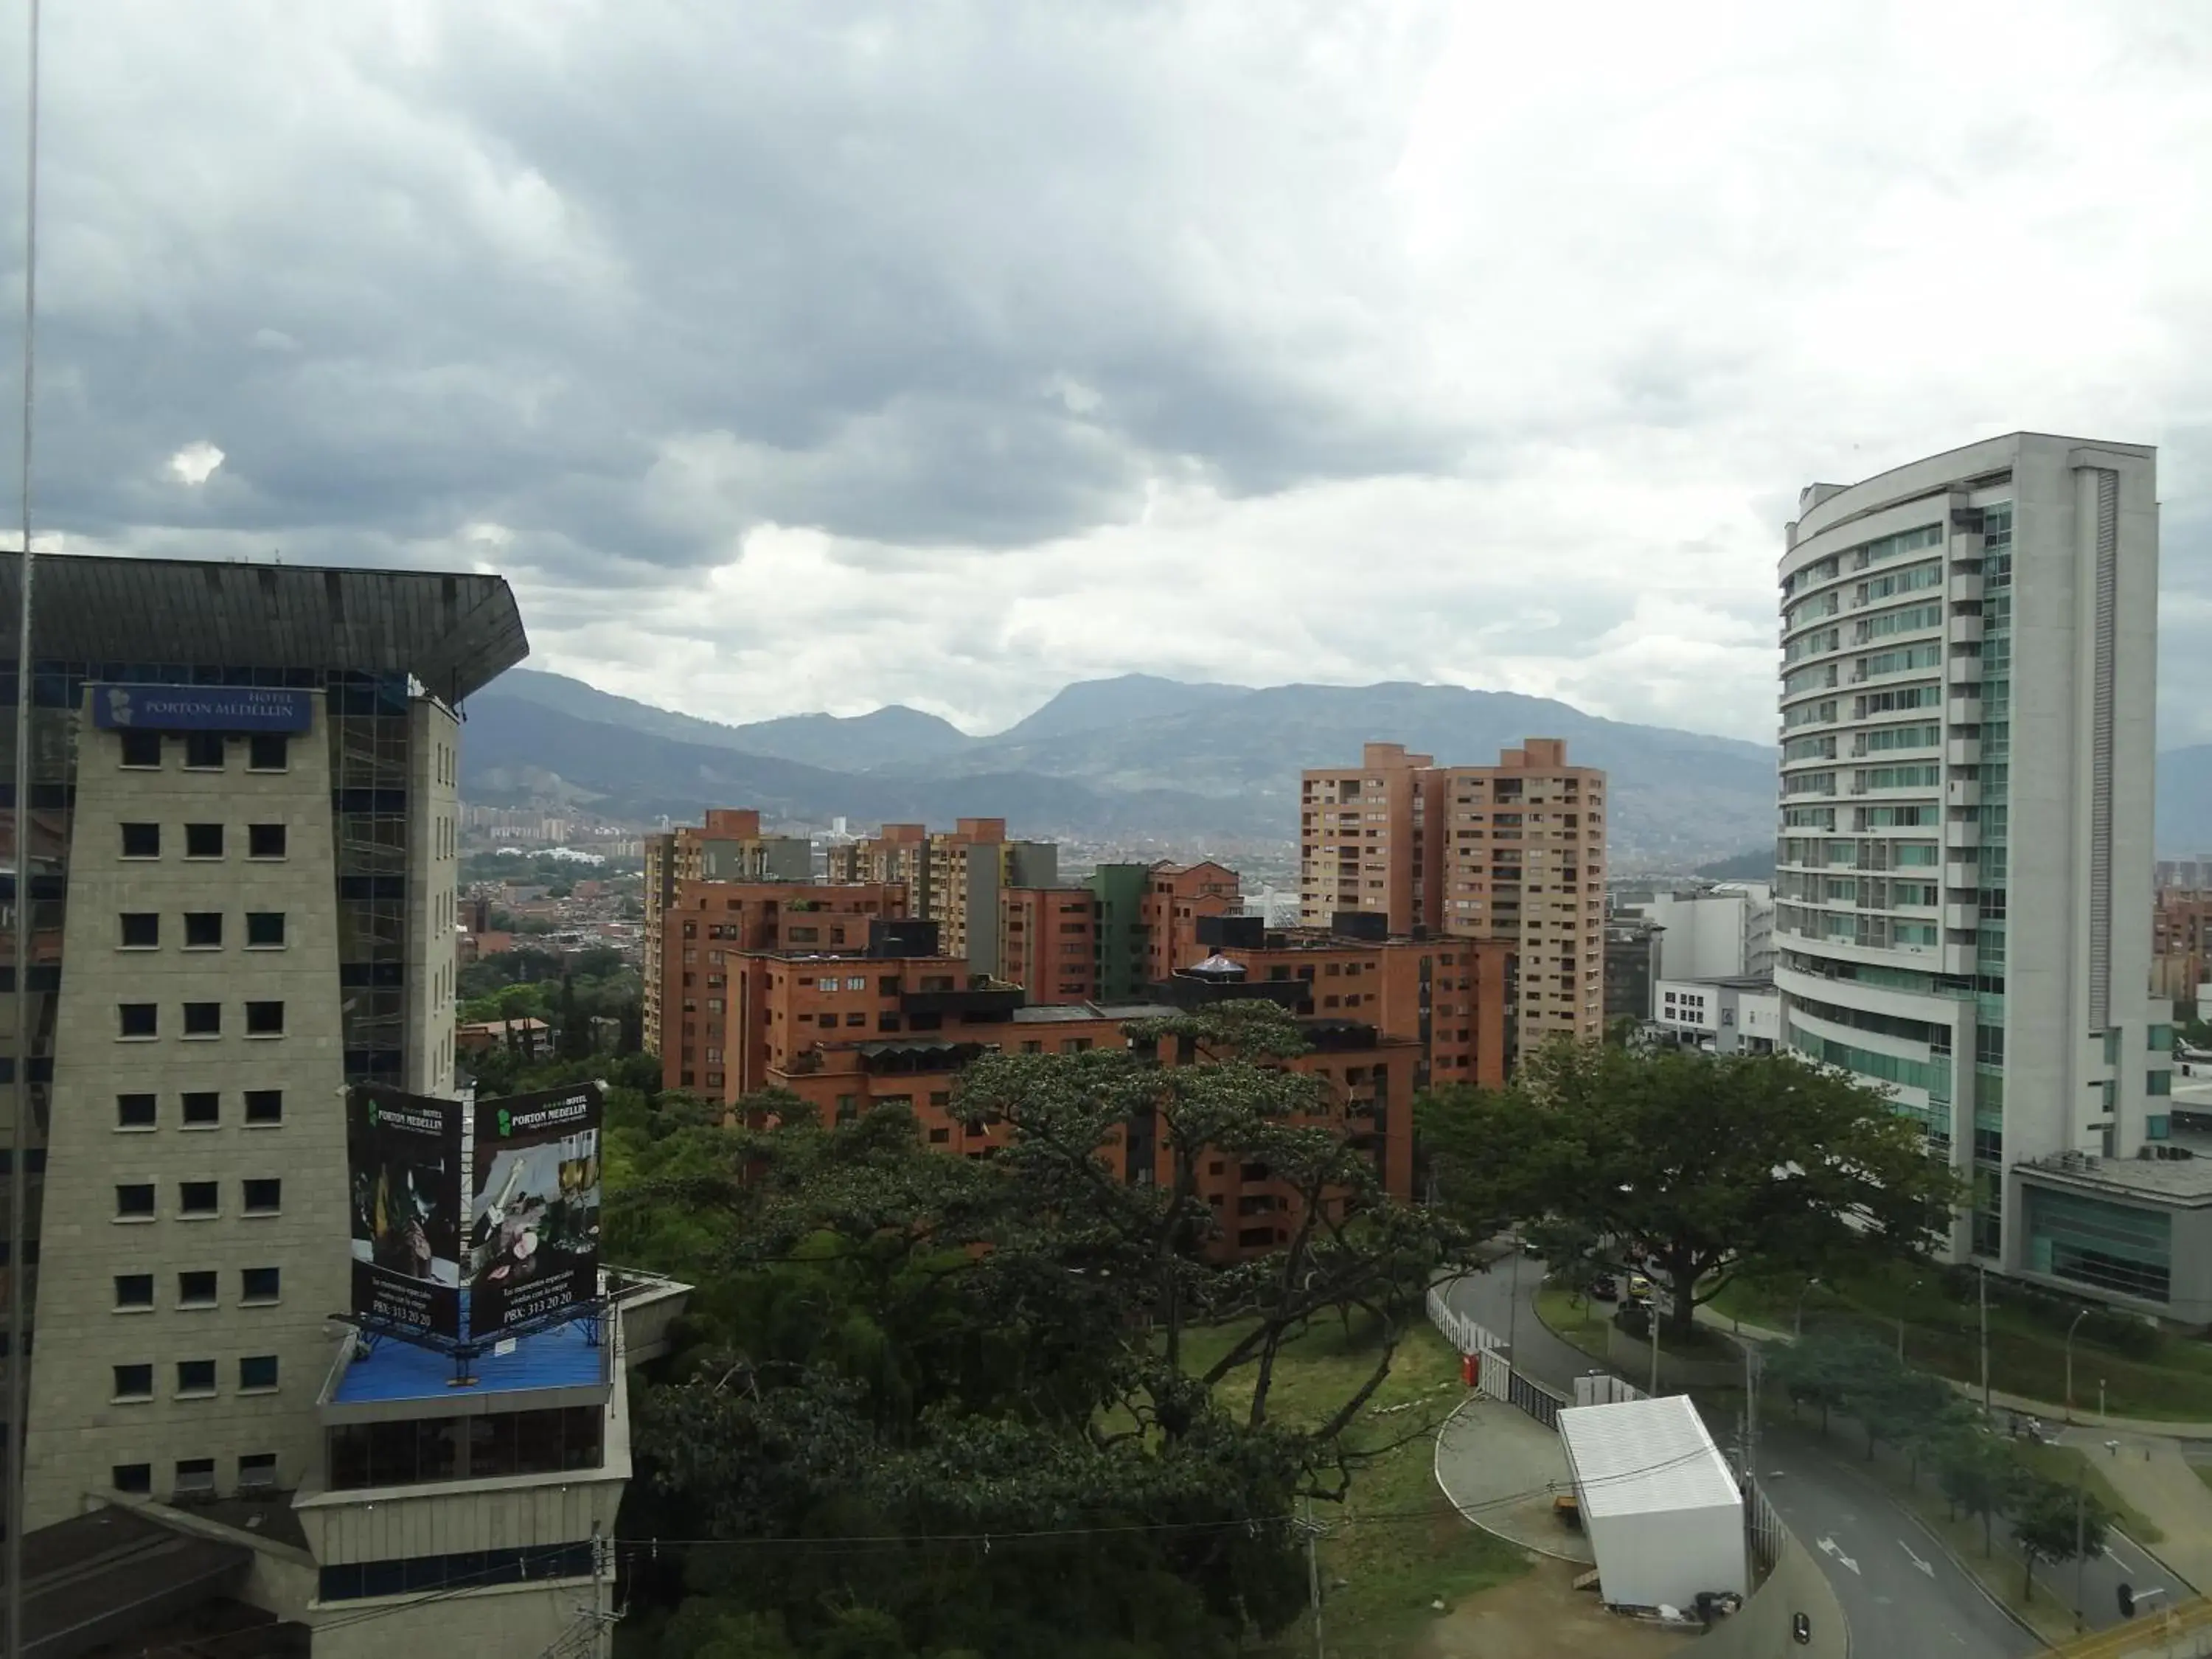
<point x="817" y="354"/>
<point x="195" y="463"/>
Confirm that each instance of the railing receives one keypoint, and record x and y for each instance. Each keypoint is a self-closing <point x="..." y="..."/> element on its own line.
<point x="1762" y="1525"/>
<point x="1457" y="1329"/>
<point x="2153" y="1632"/>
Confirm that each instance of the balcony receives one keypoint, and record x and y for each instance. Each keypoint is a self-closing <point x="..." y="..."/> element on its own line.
<point x="1961" y="630"/>
<point x="1960" y="916"/>
<point x="1963" y="791"/>
<point x="1963" y="751"/>
<point x="1958" y="959"/>
<point x="1962" y="833"/>
<point x="1964" y="671"/>
<point x="1964" y="710"/>
<point x="1966" y="584"/>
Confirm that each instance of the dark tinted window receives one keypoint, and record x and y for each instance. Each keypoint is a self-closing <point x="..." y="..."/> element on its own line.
<point x="259" y="1283"/>
<point x="197" y="1289"/>
<point x="264" y="926"/>
<point x="134" y="1290"/>
<point x="258" y="1371"/>
<point x="203" y="928"/>
<point x="195" y="1376"/>
<point x="134" y="1111"/>
<point x="202" y="841"/>
<point x="264" y="1019"/>
<point x="202" y="1018"/>
<point x="202" y="1106"/>
<point x="203" y="750"/>
<point x="142" y="841"/>
<point x="136" y="1019"/>
<point x="264" y="1105"/>
<point x="264" y="841"/>
<point x="141" y="748"/>
<point x="137" y="1478"/>
<point x="134" y="1199"/>
<point x="269" y="751"/>
<point x="134" y="1382"/>
<point x="263" y="1196"/>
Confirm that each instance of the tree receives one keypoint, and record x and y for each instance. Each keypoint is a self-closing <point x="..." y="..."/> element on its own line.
<point x="1978" y="1477"/>
<point x="2052" y="1523"/>
<point x="575" y="1032"/>
<point x="1707" y="1164"/>
<point x="889" y="1341"/>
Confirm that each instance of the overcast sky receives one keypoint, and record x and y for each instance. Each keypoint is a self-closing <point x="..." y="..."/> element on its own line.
<point x="820" y="356"/>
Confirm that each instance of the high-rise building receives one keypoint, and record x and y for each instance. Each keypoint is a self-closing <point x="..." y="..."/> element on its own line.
<point x="1514" y="852"/>
<point x="1931" y="616"/>
<point x="954" y="878"/>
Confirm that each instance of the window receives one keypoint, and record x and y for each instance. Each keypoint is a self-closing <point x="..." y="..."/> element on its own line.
<point x="134" y="1111"/>
<point x="204" y="751"/>
<point x="202" y="841"/>
<point x="264" y="1105"/>
<point x="134" y="1382"/>
<point x="258" y="1285"/>
<point x="263" y="1196"/>
<point x="269" y="751"/>
<point x="202" y="930"/>
<point x="141" y="930"/>
<point x="142" y="841"/>
<point x="198" y="1198"/>
<point x="202" y="1109"/>
<point x="257" y="1373"/>
<point x="133" y="1290"/>
<point x="137" y="1479"/>
<point x="141" y="748"/>
<point x="264" y="841"/>
<point x="197" y="1474"/>
<point x="203" y="1019"/>
<point x="135" y="1020"/>
<point x="195" y="1376"/>
<point x="134" y="1201"/>
<point x="264" y="1019"/>
<point x="256" y="1470"/>
<point x="196" y="1289"/>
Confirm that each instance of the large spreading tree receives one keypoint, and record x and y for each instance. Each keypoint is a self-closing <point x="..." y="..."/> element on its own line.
<point x="1704" y="1166"/>
<point x="1025" y="1368"/>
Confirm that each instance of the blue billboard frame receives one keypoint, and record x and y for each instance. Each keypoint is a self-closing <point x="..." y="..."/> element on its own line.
<point x="141" y="707"/>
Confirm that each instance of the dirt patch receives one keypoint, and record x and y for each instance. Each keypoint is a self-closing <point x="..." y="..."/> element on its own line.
<point x="1541" y="1615"/>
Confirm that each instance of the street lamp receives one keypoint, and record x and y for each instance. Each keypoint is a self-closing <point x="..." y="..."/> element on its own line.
<point x="2070" y="1329"/>
<point x="1797" y="1321"/>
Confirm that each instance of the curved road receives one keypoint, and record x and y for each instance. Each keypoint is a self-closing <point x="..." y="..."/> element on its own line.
<point x="1901" y="1596"/>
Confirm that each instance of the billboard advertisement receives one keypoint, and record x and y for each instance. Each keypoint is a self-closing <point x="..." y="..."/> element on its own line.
<point x="534" y="1214"/>
<point x="404" y="1170"/>
<point x="201" y="709"/>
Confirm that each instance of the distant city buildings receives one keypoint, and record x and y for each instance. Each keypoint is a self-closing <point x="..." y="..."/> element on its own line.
<point x="1514" y="853"/>
<point x="1967" y="701"/>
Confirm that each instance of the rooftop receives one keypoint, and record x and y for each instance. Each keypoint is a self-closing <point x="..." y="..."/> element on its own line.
<point x="394" y="1371"/>
<point x="455" y="631"/>
<point x="2184" y="1181"/>
<point x="1724" y="981"/>
<point x="1645" y="1456"/>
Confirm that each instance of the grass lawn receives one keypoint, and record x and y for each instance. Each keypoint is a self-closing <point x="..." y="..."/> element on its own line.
<point x="1394" y="1547"/>
<point x="2027" y="1355"/>
<point x="2066" y="1464"/>
<point x="1577" y="1323"/>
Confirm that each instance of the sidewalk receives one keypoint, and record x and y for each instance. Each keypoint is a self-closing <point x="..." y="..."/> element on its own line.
<point x="2150" y="1472"/>
<point x="1501" y="1469"/>
<point x="2052" y="1415"/>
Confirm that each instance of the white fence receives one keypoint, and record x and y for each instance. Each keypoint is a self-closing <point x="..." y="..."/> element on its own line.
<point x="1604" y="1389"/>
<point x="1462" y="1332"/>
<point x="1494" y="1373"/>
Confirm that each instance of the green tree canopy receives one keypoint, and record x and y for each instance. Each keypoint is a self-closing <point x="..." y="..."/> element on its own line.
<point x="1703" y="1163"/>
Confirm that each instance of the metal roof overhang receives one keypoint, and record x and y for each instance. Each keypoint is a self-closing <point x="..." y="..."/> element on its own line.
<point x="453" y="631"/>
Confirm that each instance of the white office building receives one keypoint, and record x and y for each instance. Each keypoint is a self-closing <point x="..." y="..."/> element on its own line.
<point x="1968" y="687"/>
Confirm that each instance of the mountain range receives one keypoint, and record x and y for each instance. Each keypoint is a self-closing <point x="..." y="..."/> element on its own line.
<point x="1134" y="755"/>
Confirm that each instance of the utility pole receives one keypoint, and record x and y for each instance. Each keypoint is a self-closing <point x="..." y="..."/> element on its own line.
<point x="1985" y="1339"/>
<point x="1655" y="1339"/>
<point x="2080" y="1565"/>
<point x="1313" y="1572"/>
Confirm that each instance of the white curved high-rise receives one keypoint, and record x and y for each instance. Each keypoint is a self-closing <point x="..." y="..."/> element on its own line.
<point x="1964" y="863"/>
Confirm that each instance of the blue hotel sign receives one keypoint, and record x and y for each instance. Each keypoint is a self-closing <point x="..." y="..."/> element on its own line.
<point x="201" y="709"/>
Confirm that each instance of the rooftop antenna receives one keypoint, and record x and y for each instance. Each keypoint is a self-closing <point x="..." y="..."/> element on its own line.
<point x="19" y="1384"/>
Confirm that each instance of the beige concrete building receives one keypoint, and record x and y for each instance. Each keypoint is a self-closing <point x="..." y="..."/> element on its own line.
<point x="1514" y="852"/>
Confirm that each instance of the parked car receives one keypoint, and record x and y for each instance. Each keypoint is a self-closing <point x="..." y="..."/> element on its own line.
<point x="1640" y="1288"/>
<point x="1604" y="1288"/>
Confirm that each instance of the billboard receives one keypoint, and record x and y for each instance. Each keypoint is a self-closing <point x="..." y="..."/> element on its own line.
<point x="534" y="1214"/>
<point x="404" y="1171"/>
<point x="201" y="709"/>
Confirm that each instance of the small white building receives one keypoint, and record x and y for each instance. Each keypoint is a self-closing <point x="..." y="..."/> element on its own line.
<point x="1659" y="1503"/>
<point x="1728" y="1016"/>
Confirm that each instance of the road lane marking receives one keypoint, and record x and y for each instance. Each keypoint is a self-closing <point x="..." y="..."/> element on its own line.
<point x="1924" y="1566"/>
<point x="1830" y="1548"/>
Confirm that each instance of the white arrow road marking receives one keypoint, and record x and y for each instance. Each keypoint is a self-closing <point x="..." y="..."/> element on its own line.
<point x="1915" y="1559"/>
<point x="1829" y="1547"/>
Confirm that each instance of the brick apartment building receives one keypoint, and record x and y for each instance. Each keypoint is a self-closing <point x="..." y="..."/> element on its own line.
<point x="2181" y="942"/>
<point x="897" y="1023"/>
<point x="956" y="879"/>
<point x="1511" y="854"/>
